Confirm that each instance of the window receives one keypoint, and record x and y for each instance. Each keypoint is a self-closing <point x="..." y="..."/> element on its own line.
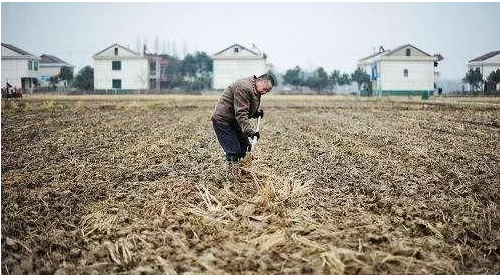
<point x="116" y="51"/>
<point x="117" y="83"/>
<point x="236" y="50"/>
<point x="405" y="72"/>
<point x="408" y="52"/>
<point x="35" y="66"/>
<point x="30" y="65"/>
<point x="116" y="65"/>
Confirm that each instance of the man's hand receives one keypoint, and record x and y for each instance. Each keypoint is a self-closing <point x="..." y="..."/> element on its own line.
<point x="259" y="113"/>
<point x="255" y="134"/>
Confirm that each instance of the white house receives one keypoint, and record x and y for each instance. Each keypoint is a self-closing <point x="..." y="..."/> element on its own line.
<point x="119" y="68"/>
<point x="406" y="70"/>
<point x="51" y="66"/>
<point x="487" y="64"/>
<point x="19" y="68"/>
<point x="235" y="62"/>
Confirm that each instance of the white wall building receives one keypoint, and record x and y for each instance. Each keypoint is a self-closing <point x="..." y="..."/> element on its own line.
<point x="234" y="63"/>
<point x="119" y="68"/>
<point x="19" y="68"/>
<point x="486" y="63"/>
<point x="51" y="66"/>
<point x="406" y="70"/>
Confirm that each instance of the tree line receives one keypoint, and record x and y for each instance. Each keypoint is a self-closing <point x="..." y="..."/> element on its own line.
<point x="325" y="83"/>
<point x="475" y="79"/>
<point x="192" y="73"/>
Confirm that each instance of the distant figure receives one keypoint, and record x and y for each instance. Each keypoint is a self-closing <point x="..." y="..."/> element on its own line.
<point x="10" y="90"/>
<point x="230" y="118"/>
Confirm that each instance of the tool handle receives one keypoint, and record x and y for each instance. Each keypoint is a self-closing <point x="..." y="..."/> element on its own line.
<point x="254" y="139"/>
<point x="258" y="124"/>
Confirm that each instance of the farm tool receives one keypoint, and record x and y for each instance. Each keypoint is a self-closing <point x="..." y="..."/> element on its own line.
<point x="253" y="141"/>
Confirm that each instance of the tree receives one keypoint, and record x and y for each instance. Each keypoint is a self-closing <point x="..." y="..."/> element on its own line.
<point x="188" y="66"/>
<point x="193" y="72"/>
<point x="173" y="72"/>
<point x="333" y="80"/>
<point x="344" y="79"/>
<point x="318" y="81"/>
<point x="473" y="77"/>
<point x="360" y="77"/>
<point x="492" y="81"/>
<point x="198" y="68"/>
<point x="201" y="82"/>
<point x="294" y="77"/>
<point x="53" y="81"/>
<point x="66" y="74"/>
<point x="85" y="79"/>
<point x="203" y="62"/>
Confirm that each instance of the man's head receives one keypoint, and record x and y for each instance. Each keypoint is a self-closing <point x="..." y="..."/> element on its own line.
<point x="264" y="84"/>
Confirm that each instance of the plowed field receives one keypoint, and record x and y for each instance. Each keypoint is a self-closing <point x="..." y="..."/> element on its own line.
<point x="338" y="185"/>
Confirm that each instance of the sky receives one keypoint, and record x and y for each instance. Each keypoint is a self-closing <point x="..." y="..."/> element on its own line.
<point x="332" y="35"/>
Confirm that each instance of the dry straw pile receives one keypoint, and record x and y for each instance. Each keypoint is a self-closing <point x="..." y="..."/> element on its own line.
<point x="338" y="185"/>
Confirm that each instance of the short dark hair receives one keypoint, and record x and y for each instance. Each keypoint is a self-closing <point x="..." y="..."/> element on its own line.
<point x="268" y="78"/>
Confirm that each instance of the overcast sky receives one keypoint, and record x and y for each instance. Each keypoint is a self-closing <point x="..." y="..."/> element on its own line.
<point x="331" y="35"/>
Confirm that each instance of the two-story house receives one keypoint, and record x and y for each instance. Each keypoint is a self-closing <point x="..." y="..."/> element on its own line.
<point x="19" y="68"/>
<point x="406" y="70"/>
<point x="235" y="62"/>
<point x="119" y="68"/>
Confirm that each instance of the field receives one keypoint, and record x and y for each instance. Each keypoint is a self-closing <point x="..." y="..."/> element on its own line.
<point x="338" y="185"/>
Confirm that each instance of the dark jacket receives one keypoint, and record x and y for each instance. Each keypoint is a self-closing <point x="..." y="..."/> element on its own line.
<point x="238" y="104"/>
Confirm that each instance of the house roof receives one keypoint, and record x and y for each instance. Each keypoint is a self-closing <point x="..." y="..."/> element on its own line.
<point x="485" y="56"/>
<point x="50" y="59"/>
<point x="16" y="49"/>
<point x="238" y="46"/>
<point x="373" y="55"/>
<point x="407" y="45"/>
<point x="116" y="44"/>
<point x="389" y="52"/>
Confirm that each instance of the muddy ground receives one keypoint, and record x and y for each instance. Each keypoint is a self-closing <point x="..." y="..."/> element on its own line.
<point x="338" y="185"/>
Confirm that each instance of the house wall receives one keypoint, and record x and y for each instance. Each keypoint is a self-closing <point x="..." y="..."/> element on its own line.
<point x="227" y="71"/>
<point x="231" y="53"/>
<point x="8" y="52"/>
<point x="413" y="52"/>
<point x="122" y="52"/>
<point x="15" y="69"/>
<point x="49" y="71"/>
<point x="134" y="73"/>
<point x="46" y="73"/>
<point x="420" y="76"/>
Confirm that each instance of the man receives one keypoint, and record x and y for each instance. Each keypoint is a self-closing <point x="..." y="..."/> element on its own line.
<point x="231" y="117"/>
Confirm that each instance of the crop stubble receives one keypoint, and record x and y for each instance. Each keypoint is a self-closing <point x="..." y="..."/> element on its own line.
<point x="338" y="185"/>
